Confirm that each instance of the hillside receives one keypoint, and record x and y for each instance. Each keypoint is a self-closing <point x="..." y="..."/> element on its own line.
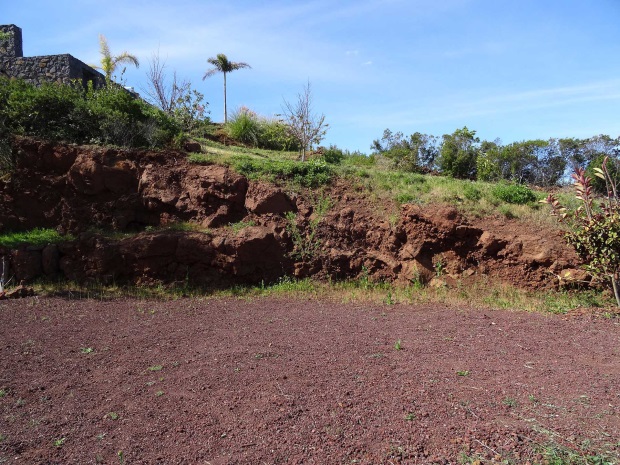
<point x="151" y="217"/>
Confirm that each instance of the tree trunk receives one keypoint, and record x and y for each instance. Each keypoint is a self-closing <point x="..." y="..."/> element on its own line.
<point x="614" y="284"/>
<point x="225" y="109"/>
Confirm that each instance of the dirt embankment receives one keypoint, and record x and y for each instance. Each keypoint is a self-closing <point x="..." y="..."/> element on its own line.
<point x="84" y="189"/>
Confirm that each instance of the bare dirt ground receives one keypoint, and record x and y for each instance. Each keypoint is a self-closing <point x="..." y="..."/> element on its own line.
<point x="269" y="381"/>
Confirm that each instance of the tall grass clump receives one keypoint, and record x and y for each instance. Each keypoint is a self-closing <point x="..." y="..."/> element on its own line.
<point x="244" y="127"/>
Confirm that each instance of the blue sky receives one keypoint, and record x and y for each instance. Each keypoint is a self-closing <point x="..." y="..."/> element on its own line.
<point x="509" y="69"/>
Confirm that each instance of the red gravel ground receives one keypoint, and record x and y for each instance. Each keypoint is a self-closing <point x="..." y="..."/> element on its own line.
<point x="268" y="381"/>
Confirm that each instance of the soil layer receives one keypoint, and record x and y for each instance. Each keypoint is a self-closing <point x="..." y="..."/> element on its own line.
<point x="268" y="381"/>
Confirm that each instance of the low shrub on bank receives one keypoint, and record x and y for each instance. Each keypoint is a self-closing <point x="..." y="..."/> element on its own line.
<point x="71" y="113"/>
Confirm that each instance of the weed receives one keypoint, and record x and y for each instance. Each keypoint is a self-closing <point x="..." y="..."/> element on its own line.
<point x="463" y="373"/>
<point x="410" y="416"/>
<point x="87" y="350"/>
<point x="440" y="266"/>
<point x="398" y="345"/>
<point x="240" y="225"/>
<point x="509" y="402"/>
<point x="159" y="393"/>
<point x="111" y="415"/>
<point x="2" y="437"/>
<point x="155" y="368"/>
<point x="389" y="300"/>
<point x="121" y="457"/>
<point x="3" y="393"/>
<point x="58" y="443"/>
<point x="306" y="243"/>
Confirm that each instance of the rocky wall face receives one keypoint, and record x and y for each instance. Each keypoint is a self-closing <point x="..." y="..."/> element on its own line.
<point x="51" y="68"/>
<point x="12" y="46"/>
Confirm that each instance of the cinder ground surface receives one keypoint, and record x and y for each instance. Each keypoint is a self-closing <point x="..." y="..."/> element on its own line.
<point x="275" y="381"/>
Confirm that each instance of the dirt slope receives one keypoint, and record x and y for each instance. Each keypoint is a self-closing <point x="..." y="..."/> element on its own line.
<point x="76" y="189"/>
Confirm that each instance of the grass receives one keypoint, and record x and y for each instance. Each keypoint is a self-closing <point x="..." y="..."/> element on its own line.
<point x="240" y="225"/>
<point x="483" y="294"/>
<point x="35" y="237"/>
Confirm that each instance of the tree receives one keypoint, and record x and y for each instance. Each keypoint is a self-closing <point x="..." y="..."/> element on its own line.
<point x="109" y="62"/>
<point x="304" y="126"/>
<point x="458" y="153"/>
<point x="416" y="153"/>
<point x="221" y="64"/>
<point x="176" y="98"/>
<point x="594" y="232"/>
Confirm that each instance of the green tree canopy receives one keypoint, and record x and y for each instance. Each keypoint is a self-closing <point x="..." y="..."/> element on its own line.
<point x="458" y="153"/>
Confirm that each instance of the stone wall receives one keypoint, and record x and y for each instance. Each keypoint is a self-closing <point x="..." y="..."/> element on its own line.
<point x="12" y="46"/>
<point x="40" y="69"/>
<point x="50" y="68"/>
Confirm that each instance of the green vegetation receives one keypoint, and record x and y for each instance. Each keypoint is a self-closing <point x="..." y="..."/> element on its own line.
<point x="306" y="244"/>
<point x="253" y="130"/>
<point x="58" y="443"/>
<point x="594" y="231"/>
<point x="110" y="62"/>
<point x="313" y="173"/>
<point x="514" y="193"/>
<point x="71" y="113"/>
<point x="36" y="237"/>
<point x="236" y="227"/>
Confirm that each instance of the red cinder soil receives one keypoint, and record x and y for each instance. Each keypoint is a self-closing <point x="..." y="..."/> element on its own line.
<point x="270" y="381"/>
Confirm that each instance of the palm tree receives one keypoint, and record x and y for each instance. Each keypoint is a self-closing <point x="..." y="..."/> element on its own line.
<point x="109" y="62"/>
<point x="222" y="65"/>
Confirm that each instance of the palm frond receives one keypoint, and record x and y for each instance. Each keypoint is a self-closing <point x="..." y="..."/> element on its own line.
<point x="126" y="57"/>
<point x="240" y="65"/>
<point x="104" y="48"/>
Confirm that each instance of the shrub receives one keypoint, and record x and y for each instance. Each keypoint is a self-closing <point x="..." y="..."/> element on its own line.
<point x="514" y="193"/>
<point x="471" y="192"/>
<point x="71" y="113"/>
<point x="333" y="155"/>
<point x="274" y="135"/>
<point x="594" y="232"/>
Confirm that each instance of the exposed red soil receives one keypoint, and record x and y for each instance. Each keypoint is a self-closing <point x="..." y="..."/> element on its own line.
<point x="76" y="189"/>
<point x="270" y="381"/>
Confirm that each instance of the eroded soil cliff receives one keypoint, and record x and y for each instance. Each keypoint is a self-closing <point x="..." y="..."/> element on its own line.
<point x="96" y="193"/>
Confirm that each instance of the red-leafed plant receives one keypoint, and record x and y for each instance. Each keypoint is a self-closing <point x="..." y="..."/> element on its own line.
<point x="594" y="230"/>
